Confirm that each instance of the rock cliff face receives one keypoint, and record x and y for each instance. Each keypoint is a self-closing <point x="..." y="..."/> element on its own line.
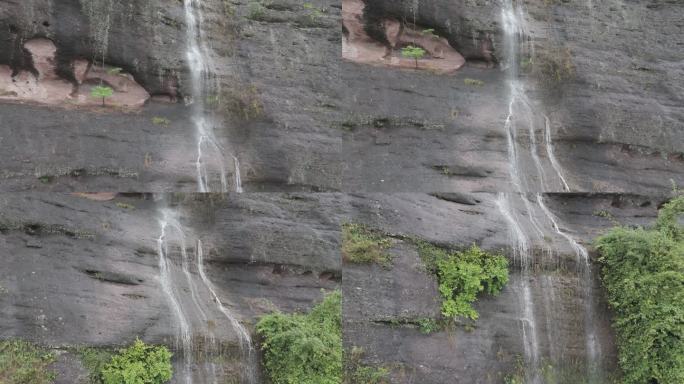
<point x="331" y="125"/>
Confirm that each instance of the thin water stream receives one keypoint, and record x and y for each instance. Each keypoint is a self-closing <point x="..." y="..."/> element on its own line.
<point x="211" y="162"/>
<point x="523" y="118"/>
<point x="197" y="308"/>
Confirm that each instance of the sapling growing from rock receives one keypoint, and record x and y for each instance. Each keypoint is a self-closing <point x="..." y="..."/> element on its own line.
<point x="413" y="52"/>
<point x="103" y="92"/>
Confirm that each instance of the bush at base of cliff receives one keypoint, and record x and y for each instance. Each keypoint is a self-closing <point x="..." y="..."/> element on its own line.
<point x="304" y="349"/>
<point x="643" y="273"/>
<point x="23" y="363"/>
<point x="139" y="364"/>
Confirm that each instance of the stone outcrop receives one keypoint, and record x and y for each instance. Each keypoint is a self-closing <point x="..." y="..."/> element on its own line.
<point x="359" y="47"/>
<point x="43" y="85"/>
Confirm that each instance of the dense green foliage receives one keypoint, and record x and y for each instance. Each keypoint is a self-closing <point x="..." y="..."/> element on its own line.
<point x="463" y="275"/>
<point x="363" y="246"/>
<point x="139" y="364"/>
<point x="643" y="273"/>
<point x="24" y="363"/>
<point x="304" y="348"/>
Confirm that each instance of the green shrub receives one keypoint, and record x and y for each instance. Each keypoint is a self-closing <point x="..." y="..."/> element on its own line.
<point x="304" y="348"/>
<point x="24" y="363"/>
<point x="463" y="275"/>
<point x="363" y="245"/>
<point x="139" y="364"/>
<point x="161" y="121"/>
<point x="643" y="273"/>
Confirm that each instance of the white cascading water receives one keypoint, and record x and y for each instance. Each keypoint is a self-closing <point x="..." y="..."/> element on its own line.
<point x="521" y="112"/>
<point x="591" y="336"/>
<point x="521" y="252"/>
<point x="209" y="150"/>
<point x="513" y="31"/>
<point x="243" y="335"/>
<point x="167" y="283"/>
<point x="551" y="154"/>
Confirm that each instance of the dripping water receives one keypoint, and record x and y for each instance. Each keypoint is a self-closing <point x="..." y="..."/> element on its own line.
<point x="167" y="284"/>
<point x="209" y="151"/>
<point x="521" y="252"/>
<point x="243" y="335"/>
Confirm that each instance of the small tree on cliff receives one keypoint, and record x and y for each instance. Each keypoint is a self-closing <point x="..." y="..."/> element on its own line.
<point x="413" y="52"/>
<point x="103" y="92"/>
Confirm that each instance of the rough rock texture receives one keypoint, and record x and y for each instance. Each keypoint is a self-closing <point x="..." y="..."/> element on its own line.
<point x="83" y="271"/>
<point x="378" y="299"/>
<point x="602" y="87"/>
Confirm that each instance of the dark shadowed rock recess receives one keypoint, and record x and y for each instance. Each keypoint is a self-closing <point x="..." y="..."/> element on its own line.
<point x="211" y="186"/>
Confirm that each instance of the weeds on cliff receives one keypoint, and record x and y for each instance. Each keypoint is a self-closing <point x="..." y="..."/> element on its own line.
<point x="22" y="363"/>
<point x="356" y="372"/>
<point x="241" y="101"/>
<point x="362" y="245"/>
<point x="139" y="363"/>
<point x="94" y="360"/>
<point x="256" y="11"/>
<point x="473" y="82"/>
<point x="643" y="273"/>
<point x="304" y="348"/>
<point x="552" y="66"/>
<point x="462" y="275"/>
<point x="161" y="121"/>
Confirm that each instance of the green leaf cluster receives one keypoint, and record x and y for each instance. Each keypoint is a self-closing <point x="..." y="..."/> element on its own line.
<point x="413" y="52"/>
<point x="643" y="273"/>
<point x="304" y="348"/>
<point x="101" y="91"/>
<point x="139" y="364"/>
<point x="463" y="275"/>
<point x="23" y="363"/>
<point x="363" y="245"/>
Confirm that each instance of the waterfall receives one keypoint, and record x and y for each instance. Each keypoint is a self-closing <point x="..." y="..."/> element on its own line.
<point x="521" y="251"/>
<point x="521" y="115"/>
<point x="243" y="335"/>
<point x="550" y="153"/>
<point x="167" y="286"/>
<point x="591" y="335"/>
<point x="182" y="290"/>
<point x="203" y="85"/>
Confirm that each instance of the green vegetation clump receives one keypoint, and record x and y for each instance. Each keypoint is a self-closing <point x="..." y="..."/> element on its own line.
<point x="304" y="348"/>
<point x="462" y="275"/>
<point x="473" y="82"/>
<point x="413" y="52"/>
<point x="24" y="363"/>
<point x="643" y="273"/>
<point x="161" y="121"/>
<point x="363" y="245"/>
<point x="358" y="373"/>
<point x="139" y="364"/>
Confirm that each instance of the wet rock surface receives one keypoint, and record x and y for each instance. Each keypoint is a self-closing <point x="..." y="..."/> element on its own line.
<point x="321" y="141"/>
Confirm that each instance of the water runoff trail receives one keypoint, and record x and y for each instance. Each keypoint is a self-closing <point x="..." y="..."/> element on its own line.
<point x="211" y="165"/>
<point x="534" y="169"/>
<point x="203" y="321"/>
